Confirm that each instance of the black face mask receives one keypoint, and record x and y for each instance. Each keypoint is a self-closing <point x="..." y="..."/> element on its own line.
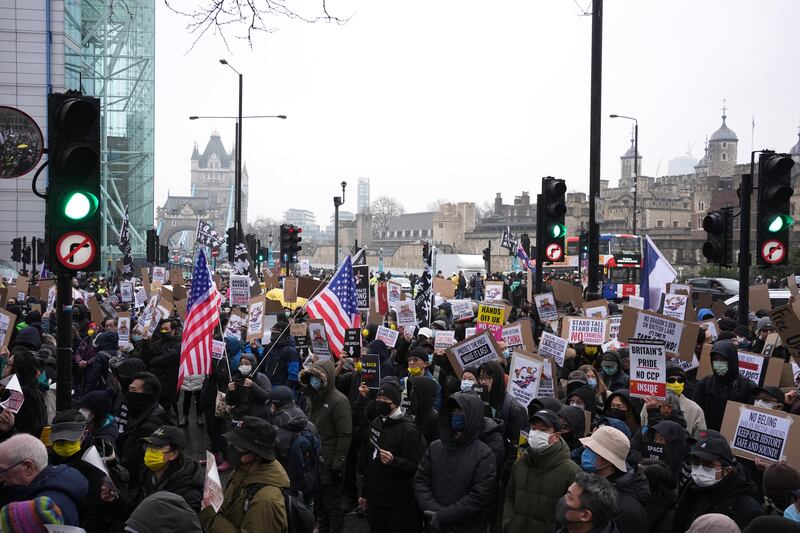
<point x="617" y="413"/>
<point x="234" y="456"/>
<point x="658" y="451"/>
<point x="137" y="402"/>
<point x="274" y="336"/>
<point x="383" y="408"/>
<point x="653" y="416"/>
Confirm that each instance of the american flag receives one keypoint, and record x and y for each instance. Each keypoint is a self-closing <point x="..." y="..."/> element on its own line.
<point x="337" y="306"/>
<point x="202" y="316"/>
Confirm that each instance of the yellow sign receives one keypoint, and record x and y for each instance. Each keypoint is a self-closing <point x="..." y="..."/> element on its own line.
<point x="491" y="314"/>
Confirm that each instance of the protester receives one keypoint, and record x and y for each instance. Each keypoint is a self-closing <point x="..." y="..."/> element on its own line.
<point x="163" y="512"/>
<point x="587" y="506"/>
<point x="692" y="413"/>
<point x="282" y="366"/>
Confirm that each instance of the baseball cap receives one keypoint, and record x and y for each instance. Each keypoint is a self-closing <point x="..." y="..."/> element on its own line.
<point x="548" y="417"/>
<point x="710" y="445"/>
<point x="425" y="332"/>
<point x="164" y="435"/>
<point x="773" y="391"/>
<point x="68" y="431"/>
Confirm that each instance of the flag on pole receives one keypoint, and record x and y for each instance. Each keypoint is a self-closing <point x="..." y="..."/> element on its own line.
<point x="526" y="261"/>
<point x="656" y="274"/>
<point x="337" y="306"/>
<point x="124" y="245"/>
<point x="202" y="316"/>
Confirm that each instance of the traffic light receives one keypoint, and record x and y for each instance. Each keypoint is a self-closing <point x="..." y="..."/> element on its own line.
<point x="261" y="255"/>
<point x="284" y="237"/>
<point x="152" y="246"/>
<point x="773" y="218"/>
<point x="230" y="244"/>
<point x="74" y="218"/>
<point x="26" y="256"/>
<point x="16" y="249"/>
<point x="41" y="251"/>
<point x="718" y="248"/>
<point x="552" y="233"/>
<point x="250" y="240"/>
<point x="426" y="251"/>
<point x="583" y="244"/>
<point x="163" y="254"/>
<point x="294" y="242"/>
<point x="487" y="259"/>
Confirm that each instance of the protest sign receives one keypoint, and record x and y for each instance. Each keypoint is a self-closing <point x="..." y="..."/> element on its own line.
<point x="271" y="279"/>
<point x="529" y="282"/>
<point x="371" y="370"/>
<point x="596" y="309"/>
<point x="381" y="297"/>
<point x="159" y="276"/>
<point x="240" y="289"/>
<point x="787" y="325"/>
<point x="217" y="349"/>
<point x="7" y="321"/>
<point x="126" y="291"/>
<point x="547" y="385"/>
<point x="13" y="392"/>
<point x="648" y="375"/>
<point x="712" y="327"/>
<point x="234" y="325"/>
<point x="472" y="352"/>
<point x="770" y="343"/>
<point x="614" y="322"/>
<point x="679" y="336"/>
<point x="212" y="488"/>
<point x="310" y="287"/>
<point x="493" y="291"/>
<point x="361" y="274"/>
<point x="176" y="277"/>
<point x="461" y="309"/>
<point x="394" y="292"/>
<point x="352" y="342"/>
<point x="519" y="336"/>
<point x="139" y="297"/>
<point x="759" y="298"/>
<point x="491" y="317"/>
<point x="290" y="289"/>
<point x="763" y="371"/>
<point x="546" y="307"/>
<point x="553" y="347"/>
<point x="524" y="376"/>
<point x="567" y="293"/>
<point x="94" y="310"/>
<point x="124" y="328"/>
<point x="754" y="432"/>
<point x="443" y="340"/>
<point x="636" y="302"/>
<point x="679" y="288"/>
<point x="319" y="339"/>
<point x="444" y="288"/>
<point x="406" y="314"/>
<point x="388" y="336"/>
<point x="255" y="317"/>
<point x="469" y="332"/>
<point x="589" y="331"/>
<point x="675" y="305"/>
<point x="305" y="267"/>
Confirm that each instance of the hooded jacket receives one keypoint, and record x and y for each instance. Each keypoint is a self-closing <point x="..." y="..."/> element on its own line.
<point x="183" y="477"/>
<point x="426" y="417"/>
<point x="63" y="484"/>
<point x="673" y="453"/>
<point x="164" y="512"/>
<point x="289" y="420"/>
<point x="266" y="509"/>
<point x="633" y="491"/>
<point x="538" y="480"/>
<point x="330" y="413"/>
<point x="575" y="418"/>
<point x="456" y="478"/>
<point x="514" y="415"/>
<point x="129" y="446"/>
<point x="283" y="362"/>
<point x="730" y="496"/>
<point x="620" y="379"/>
<point x="492" y="436"/>
<point x="587" y="394"/>
<point x="164" y="363"/>
<point x="713" y="392"/>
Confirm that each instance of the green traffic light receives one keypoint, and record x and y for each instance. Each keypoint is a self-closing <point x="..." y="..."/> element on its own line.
<point x="558" y="230"/>
<point x="79" y="205"/>
<point x="778" y="223"/>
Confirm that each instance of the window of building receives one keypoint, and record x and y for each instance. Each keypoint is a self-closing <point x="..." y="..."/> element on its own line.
<point x="724" y="156"/>
<point x="724" y="145"/>
<point x="660" y="223"/>
<point x="701" y="205"/>
<point x="441" y="225"/>
<point x="674" y="223"/>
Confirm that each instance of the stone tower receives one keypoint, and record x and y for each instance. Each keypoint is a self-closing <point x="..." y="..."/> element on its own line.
<point x="722" y="149"/>
<point x="627" y="167"/>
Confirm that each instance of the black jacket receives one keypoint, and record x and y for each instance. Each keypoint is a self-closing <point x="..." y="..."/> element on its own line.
<point x="713" y="392"/>
<point x="129" y="446"/>
<point x="390" y="485"/>
<point x="282" y="366"/>
<point x="164" y="363"/>
<point x="730" y="496"/>
<point x="456" y="478"/>
<point x="633" y="491"/>
<point x="183" y="477"/>
<point x="248" y="401"/>
<point x="426" y="417"/>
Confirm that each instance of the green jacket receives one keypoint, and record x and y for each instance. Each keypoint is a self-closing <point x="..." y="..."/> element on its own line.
<point x="266" y="510"/>
<point x="331" y="414"/>
<point x="537" y="481"/>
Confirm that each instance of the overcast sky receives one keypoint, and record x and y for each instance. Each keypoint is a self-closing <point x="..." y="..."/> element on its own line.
<point x="459" y="99"/>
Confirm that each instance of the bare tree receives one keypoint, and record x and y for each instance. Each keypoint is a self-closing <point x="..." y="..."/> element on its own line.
<point x="222" y="16"/>
<point x="262" y="227"/>
<point x="484" y="210"/>
<point x="383" y="210"/>
<point x="436" y="204"/>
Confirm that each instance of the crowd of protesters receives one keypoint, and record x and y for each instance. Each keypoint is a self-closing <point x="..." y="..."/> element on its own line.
<point x="429" y="448"/>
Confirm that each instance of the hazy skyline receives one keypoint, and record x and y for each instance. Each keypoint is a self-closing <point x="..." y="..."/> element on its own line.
<point x="451" y="100"/>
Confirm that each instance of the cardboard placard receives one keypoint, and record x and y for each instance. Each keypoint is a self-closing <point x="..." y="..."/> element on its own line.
<point x="596" y="309"/>
<point x="126" y="292"/>
<point x="553" y="347"/>
<point x="546" y="307"/>
<point x="679" y="336"/>
<point x="491" y="317"/>
<point x="461" y="309"/>
<point x="567" y="293"/>
<point x="754" y="432"/>
<point x="179" y="292"/>
<point x="493" y="290"/>
<point x="305" y="267"/>
<point x="791" y="282"/>
<point x="166" y="294"/>
<point x="387" y="335"/>
<point x="176" y="277"/>
<point x="443" y="339"/>
<point x="472" y="352"/>
<point x="675" y="306"/>
<point x="589" y="331"/>
<point x="518" y="336"/>
<point x="712" y="327"/>
<point x="637" y="302"/>
<point x="759" y="298"/>
<point x="614" y="322"/>
<point x="704" y="300"/>
<point x="679" y="288"/>
<point x="394" y="292"/>
<point x="271" y="280"/>
<point x="319" y="339"/>
<point x="217" y="349"/>
<point x="352" y="342"/>
<point x="547" y="386"/>
<point x="255" y="318"/>
<point x="298" y="329"/>
<point x="787" y="325"/>
<point x="770" y="343"/>
<point x="239" y="287"/>
<point x="159" y="276"/>
<point x="124" y="328"/>
<point x="373" y="317"/>
<point x="529" y="287"/>
<point x="371" y="371"/>
<point x="444" y="288"/>
<point x="235" y="323"/>
<point x="290" y="289"/>
<point x="7" y="321"/>
<point x="763" y="371"/>
<point x="648" y="374"/>
<point x="524" y="376"/>
<point x="406" y="314"/>
<point x="139" y="297"/>
<point x="95" y="311"/>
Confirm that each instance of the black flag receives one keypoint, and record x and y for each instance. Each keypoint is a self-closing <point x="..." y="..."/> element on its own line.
<point x="124" y="245"/>
<point x="243" y="265"/>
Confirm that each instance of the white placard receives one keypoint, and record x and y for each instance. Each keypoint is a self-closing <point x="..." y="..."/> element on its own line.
<point x="675" y="306"/>
<point x="443" y="339"/>
<point x="406" y="314"/>
<point x="461" y="309"/>
<point x="648" y="373"/>
<point x="524" y="376"/>
<point x="553" y="346"/>
<point x="761" y="434"/>
<point x="656" y="327"/>
<point x="126" y="292"/>
<point x="589" y="331"/>
<point x="16" y="398"/>
<point x="139" y="297"/>
<point x="240" y="289"/>
<point x="546" y="307"/>
<point x="212" y="489"/>
<point x="319" y="340"/>
<point x="124" y="330"/>
<point x="159" y="276"/>
<point x="637" y="302"/>
<point x="217" y="349"/>
<point x="387" y="335"/>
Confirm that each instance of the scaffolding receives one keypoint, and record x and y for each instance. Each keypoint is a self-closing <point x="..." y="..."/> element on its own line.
<point x="110" y="54"/>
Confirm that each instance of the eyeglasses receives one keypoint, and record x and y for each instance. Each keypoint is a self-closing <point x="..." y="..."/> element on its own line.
<point x="675" y="380"/>
<point x="12" y="467"/>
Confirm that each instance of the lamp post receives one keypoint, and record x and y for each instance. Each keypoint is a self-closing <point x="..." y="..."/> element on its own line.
<point x="270" y="262"/>
<point x="337" y="201"/>
<point x="635" y="164"/>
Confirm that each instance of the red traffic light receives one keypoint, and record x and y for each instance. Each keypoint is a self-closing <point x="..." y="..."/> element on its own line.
<point x="299" y="230"/>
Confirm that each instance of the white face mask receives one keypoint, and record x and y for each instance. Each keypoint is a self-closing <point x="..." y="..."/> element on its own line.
<point x="576" y="404"/>
<point x="764" y="405"/>
<point x="466" y="385"/>
<point x="538" y="440"/>
<point x="704" y="476"/>
<point x="245" y="369"/>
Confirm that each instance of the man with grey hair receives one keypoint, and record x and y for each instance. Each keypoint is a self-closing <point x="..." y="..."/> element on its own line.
<point x="25" y="475"/>
<point x="587" y="506"/>
<point x="656" y="410"/>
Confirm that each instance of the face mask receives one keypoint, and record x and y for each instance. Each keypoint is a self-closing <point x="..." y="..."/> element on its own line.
<point x="561" y="511"/>
<point x="592" y="382"/>
<point x="538" y="440"/>
<point x="137" y="402"/>
<point x="765" y="405"/>
<point x="704" y="476"/>
<point x="507" y="353"/>
<point x="165" y="332"/>
<point x="414" y="371"/>
<point x="590" y="351"/>
<point x="458" y="422"/>
<point x="617" y="413"/>
<point x="66" y="448"/>
<point x="610" y="369"/>
<point x="466" y="385"/>
<point x="245" y="369"/>
<point x="720" y="367"/>
<point x="384" y="408"/>
<point x="677" y="388"/>
<point x="791" y="513"/>
<point x="154" y="459"/>
<point x="589" y="461"/>
<point x="315" y="383"/>
<point x="273" y="337"/>
<point x="136" y="338"/>
<point x="576" y="404"/>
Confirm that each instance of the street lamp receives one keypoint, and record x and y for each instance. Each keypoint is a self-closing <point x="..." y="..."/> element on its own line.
<point x="237" y="223"/>
<point x="635" y="164"/>
<point x="337" y="201"/>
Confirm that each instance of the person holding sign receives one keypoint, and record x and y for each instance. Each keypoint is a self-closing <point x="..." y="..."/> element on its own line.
<point x="718" y="485"/>
<point x="713" y="392"/>
<point x="389" y="460"/>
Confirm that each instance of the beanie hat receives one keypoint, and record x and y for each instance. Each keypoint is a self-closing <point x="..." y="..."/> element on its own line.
<point x="29" y="338"/>
<point x="780" y="478"/>
<point x="726" y="324"/>
<point x="742" y="331"/>
<point x="98" y="402"/>
<point x="30" y="515"/>
<point x="675" y="370"/>
<point x="764" y="322"/>
<point x="280" y="395"/>
<point x="107" y="341"/>
<point x="391" y="391"/>
<point x="705" y="313"/>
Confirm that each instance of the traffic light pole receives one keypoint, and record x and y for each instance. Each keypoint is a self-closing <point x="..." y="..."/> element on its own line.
<point x="64" y="340"/>
<point x="538" y="273"/>
<point x="745" y="195"/>
<point x="594" y="141"/>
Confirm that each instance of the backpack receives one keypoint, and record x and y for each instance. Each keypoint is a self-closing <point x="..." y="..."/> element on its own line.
<point x="304" y="458"/>
<point x="299" y="517"/>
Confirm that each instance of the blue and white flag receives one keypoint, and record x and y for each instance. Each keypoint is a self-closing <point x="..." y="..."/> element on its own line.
<point x="523" y="256"/>
<point x="657" y="272"/>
